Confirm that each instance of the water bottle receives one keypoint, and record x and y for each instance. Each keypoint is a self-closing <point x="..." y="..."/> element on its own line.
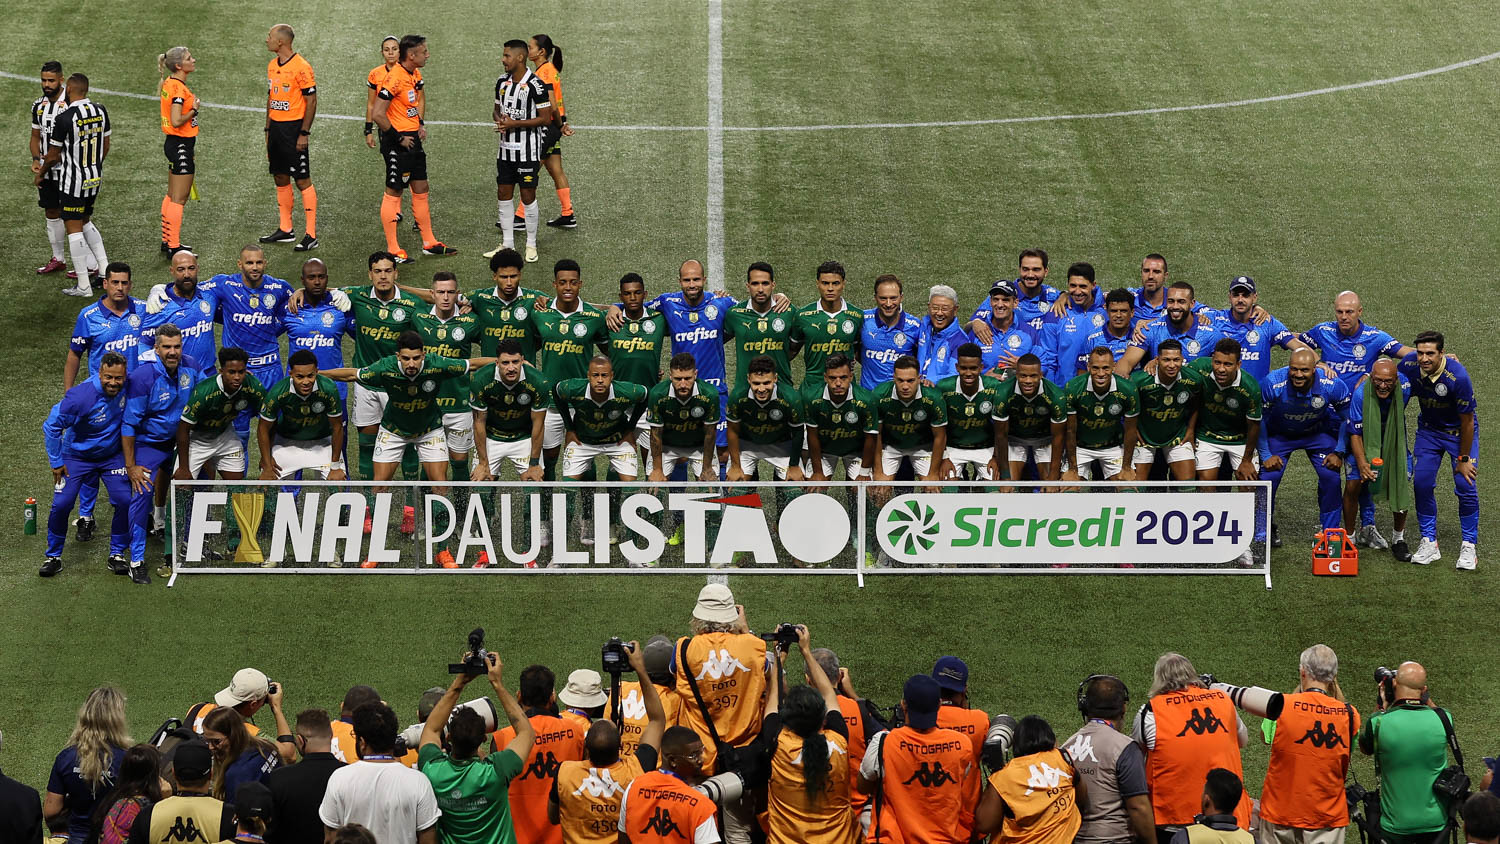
<point x="30" y="515"/>
<point x="1377" y="466"/>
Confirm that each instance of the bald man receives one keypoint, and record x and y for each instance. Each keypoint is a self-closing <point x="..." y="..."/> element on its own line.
<point x="1349" y="346"/>
<point x="291" y="105"/>
<point x="1303" y="410"/>
<point x="1366" y="439"/>
<point x="1408" y="738"/>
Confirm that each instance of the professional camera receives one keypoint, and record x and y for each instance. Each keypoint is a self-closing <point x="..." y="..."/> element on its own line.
<point x="476" y="658"/>
<point x="997" y="741"/>
<point x="408" y="738"/>
<point x="723" y="788"/>
<point x="615" y="656"/>
<point x="785" y="637"/>
<point x="1254" y="699"/>
<point x="1386" y="679"/>
<point x="1207" y="680"/>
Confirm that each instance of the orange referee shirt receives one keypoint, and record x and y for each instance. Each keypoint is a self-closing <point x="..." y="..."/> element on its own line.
<point x="548" y="74"/>
<point x="290" y="84"/>
<point x="399" y="90"/>
<point x="175" y="91"/>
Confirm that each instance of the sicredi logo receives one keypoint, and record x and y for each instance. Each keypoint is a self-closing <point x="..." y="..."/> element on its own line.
<point x="1066" y="528"/>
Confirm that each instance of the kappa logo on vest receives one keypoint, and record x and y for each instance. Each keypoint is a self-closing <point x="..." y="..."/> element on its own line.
<point x="632" y="706"/>
<point x="185" y="831"/>
<point x="662" y="824"/>
<point x="931" y="777"/>
<point x="832" y="749"/>
<point x="717" y="666"/>
<point x="544" y="766"/>
<point x="1322" y="735"/>
<point x="599" y="784"/>
<point x="1203" y="723"/>
<point x="1045" y="777"/>
<point x="1082" y="749"/>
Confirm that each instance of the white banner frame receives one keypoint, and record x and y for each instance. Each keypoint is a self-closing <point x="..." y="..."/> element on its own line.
<point x="859" y="535"/>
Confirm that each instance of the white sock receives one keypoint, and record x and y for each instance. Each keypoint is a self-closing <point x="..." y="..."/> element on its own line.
<point x="78" y="248"/>
<point x="533" y="214"/>
<point x="57" y="235"/>
<point x="507" y="213"/>
<point x="1397" y="535"/>
<point x="160" y="513"/>
<point x="96" y="244"/>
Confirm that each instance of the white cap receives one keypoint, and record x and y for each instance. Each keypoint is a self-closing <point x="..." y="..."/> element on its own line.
<point x="584" y="690"/>
<point x="716" y="605"/>
<point x="248" y="684"/>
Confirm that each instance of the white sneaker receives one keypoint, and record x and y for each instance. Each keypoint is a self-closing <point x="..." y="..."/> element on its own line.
<point x="1369" y="537"/>
<point x="1246" y="560"/>
<point x="1468" y="557"/>
<point x="1427" y="552"/>
<point x="585" y="533"/>
<point x="531" y="256"/>
<point x="493" y="252"/>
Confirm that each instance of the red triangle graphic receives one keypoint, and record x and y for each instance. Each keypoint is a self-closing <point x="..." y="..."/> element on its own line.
<point x="750" y="500"/>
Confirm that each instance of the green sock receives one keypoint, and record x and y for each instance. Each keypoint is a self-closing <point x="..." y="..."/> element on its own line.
<point x="366" y="456"/>
<point x="459" y="469"/>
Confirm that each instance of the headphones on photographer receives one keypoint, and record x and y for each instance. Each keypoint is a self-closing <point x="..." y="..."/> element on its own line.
<point x="1083" y="708"/>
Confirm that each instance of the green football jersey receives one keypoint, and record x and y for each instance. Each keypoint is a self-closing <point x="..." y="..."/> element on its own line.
<point x="378" y="324"/>
<point x="635" y="349"/>
<point x="970" y="418"/>
<point x="1101" y="416"/>
<point x="566" y="342"/>
<point x="210" y="411"/>
<point x="1030" y="418"/>
<point x="302" y="417"/>
<point x="822" y="334"/>
<point x="776" y="421"/>
<point x="454" y="338"/>
<point x="502" y="320"/>
<point x="1225" y="413"/>
<point x="594" y="422"/>
<point x="1166" y="408"/>
<point x="908" y="425"/>
<point x="683" y="424"/>
<point x="507" y="408"/>
<point x="753" y="334"/>
<point x="413" y="408"/>
<point x="842" y="427"/>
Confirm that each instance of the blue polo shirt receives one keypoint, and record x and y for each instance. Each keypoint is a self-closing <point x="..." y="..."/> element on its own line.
<point x="937" y="351"/>
<point x="1288" y="413"/>
<point x="1197" y="342"/>
<point x="99" y="330"/>
<point x="1442" y="399"/>
<point x="194" y="317"/>
<point x="154" y="399"/>
<point x="1255" y="340"/>
<point x="93" y="420"/>
<point x="1350" y="356"/>
<point x="881" y="344"/>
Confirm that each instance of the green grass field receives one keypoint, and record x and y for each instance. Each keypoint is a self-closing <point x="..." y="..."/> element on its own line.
<point x="1385" y="189"/>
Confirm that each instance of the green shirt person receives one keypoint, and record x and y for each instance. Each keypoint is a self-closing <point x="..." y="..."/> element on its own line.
<point x="753" y="328"/>
<point x="509" y="401"/>
<point x="1031" y="420"/>
<point x="765" y="425"/>
<point x="599" y="415"/>
<point x="504" y="310"/>
<point x="1169" y="413"/>
<point x="913" y="423"/>
<point x="1228" y="415"/>
<point x="683" y="414"/>
<point x="1102" y="412"/>
<point x="840" y="421"/>
<point x="205" y="436"/>
<point x="970" y="399"/>
<point x="301" y="426"/>
<point x="635" y="347"/>
<point x="826" y="327"/>
<point x="1409" y="742"/>
<point x="473" y="793"/>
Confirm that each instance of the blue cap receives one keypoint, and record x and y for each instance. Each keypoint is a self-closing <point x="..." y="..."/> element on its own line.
<point x="923" y="698"/>
<point x="1005" y="287"/>
<point x="1242" y="282"/>
<point x="951" y="673"/>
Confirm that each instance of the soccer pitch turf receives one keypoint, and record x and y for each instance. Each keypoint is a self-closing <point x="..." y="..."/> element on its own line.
<point x="1383" y="188"/>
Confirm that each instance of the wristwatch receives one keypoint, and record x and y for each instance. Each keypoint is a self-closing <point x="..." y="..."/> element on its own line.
<point x="1464" y="459"/>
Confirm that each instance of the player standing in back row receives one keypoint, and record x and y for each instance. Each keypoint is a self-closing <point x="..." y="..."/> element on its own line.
<point x="291" y="105"/>
<point x="401" y="135"/>
<point x="523" y="106"/>
<point x="77" y="148"/>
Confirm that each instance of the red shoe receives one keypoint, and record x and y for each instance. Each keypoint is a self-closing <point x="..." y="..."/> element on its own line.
<point x="52" y="266"/>
<point x="408" y="520"/>
<point x="369" y="523"/>
<point x="445" y="559"/>
<point x="402" y="257"/>
<point x="531" y="565"/>
<point x="368" y="564"/>
<point x="484" y="560"/>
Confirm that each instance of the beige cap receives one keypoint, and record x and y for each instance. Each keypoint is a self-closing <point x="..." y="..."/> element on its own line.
<point x="248" y="684"/>
<point x="716" y="605"/>
<point x="584" y="690"/>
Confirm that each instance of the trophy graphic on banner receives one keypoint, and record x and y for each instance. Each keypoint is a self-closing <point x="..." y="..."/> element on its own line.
<point x="249" y="507"/>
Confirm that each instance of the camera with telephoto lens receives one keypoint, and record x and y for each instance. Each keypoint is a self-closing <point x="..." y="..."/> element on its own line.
<point x="785" y="637"/>
<point x="615" y="656"/>
<point x="723" y="788"/>
<point x="1386" y="679"/>
<point x="1207" y="680"/>
<point x="476" y="659"/>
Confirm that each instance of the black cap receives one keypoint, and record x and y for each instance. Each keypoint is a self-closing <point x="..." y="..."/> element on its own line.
<point x="1242" y="282"/>
<point x="923" y="698"/>
<point x="192" y="761"/>
<point x="1004" y="287"/>
<point x="252" y="800"/>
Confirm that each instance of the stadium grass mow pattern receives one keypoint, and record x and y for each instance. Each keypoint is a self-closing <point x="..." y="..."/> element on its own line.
<point x="1387" y="190"/>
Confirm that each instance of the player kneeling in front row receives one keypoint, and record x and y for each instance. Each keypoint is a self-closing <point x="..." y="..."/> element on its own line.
<point x="683" y="414"/>
<point x="913" y="425"/>
<point x="1229" y="423"/>
<point x="301" y="425"/>
<point x="1102" y="411"/>
<point x="841" y="423"/>
<point x="1031" y="421"/>
<point x="1169" y="413"/>
<point x="765" y="425"/>
<point x="970" y="399"/>
<point x="509" y="401"/>
<point x="599" y="417"/>
<point x="206" y="440"/>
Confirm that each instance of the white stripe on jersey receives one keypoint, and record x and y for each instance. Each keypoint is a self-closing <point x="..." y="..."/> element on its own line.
<point x="521" y="101"/>
<point x="44" y="114"/>
<point x="79" y="133"/>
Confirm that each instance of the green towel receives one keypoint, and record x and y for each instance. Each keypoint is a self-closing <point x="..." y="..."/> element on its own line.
<point x="1390" y="441"/>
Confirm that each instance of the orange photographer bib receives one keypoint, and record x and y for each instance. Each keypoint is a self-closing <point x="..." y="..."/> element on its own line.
<point x="921" y="787"/>
<point x="730" y="669"/>
<point x="1304" y="785"/>
<point x="1038" y="791"/>
<point x="558" y="740"/>
<point x="1195" y="733"/>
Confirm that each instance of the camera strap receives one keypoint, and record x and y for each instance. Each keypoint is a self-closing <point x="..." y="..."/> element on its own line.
<point x="713" y="732"/>
<point x="1458" y="755"/>
<point x="880" y="792"/>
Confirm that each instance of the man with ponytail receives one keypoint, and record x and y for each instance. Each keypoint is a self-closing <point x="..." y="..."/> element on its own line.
<point x="179" y="122"/>
<point x="809" y="791"/>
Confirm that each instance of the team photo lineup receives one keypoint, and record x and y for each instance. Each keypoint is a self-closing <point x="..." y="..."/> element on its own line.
<point x="227" y="398"/>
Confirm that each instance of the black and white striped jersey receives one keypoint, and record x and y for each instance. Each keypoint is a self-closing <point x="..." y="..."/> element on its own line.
<point x="44" y="113"/>
<point x="521" y="101"/>
<point x="79" y="133"/>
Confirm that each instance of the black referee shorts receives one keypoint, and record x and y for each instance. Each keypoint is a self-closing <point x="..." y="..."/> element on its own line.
<point x="552" y="139"/>
<point x="77" y="207"/>
<point x="179" y="152"/>
<point x="521" y="173"/>
<point x="47" y="196"/>
<point x="402" y="165"/>
<point x="282" y="152"/>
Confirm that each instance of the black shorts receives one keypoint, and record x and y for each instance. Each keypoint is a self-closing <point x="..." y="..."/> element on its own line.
<point x="521" y="173"/>
<point x="282" y="152"/>
<point x="179" y="152"/>
<point x="47" y="196"/>
<point x="552" y="139"/>
<point x="403" y="166"/>
<point x="77" y="207"/>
